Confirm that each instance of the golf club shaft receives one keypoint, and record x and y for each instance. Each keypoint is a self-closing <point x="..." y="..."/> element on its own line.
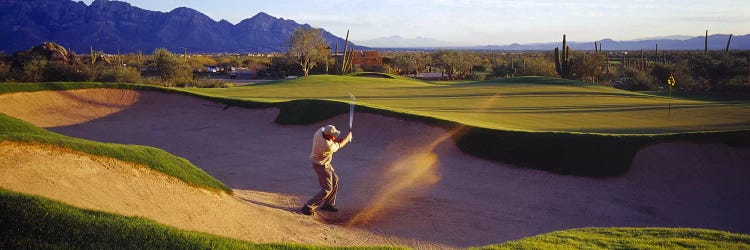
<point x="351" y="111"/>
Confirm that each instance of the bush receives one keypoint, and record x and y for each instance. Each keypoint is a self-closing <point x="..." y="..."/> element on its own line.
<point x="685" y="81"/>
<point x="168" y="68"/>
<point x="5" y="74"/>
<point x="119" y="74"/>
<point x="33" y="70"/>
<point x="635" y="80"/>
<point x="208" y="84"/>
<point x="536" y="66"/>
<point x="717" y="71"/>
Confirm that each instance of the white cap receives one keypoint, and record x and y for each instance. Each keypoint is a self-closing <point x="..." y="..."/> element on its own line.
<point x="331" y="130"/>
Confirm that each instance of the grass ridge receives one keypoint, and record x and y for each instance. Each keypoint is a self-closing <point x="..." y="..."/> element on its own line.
<point x="631" y="238"/>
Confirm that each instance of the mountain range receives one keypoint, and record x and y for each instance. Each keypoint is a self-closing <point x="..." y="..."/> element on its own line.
<point x="113" y="26"/>
<point x="715" y="42"/>
<point x="678" y="42"/>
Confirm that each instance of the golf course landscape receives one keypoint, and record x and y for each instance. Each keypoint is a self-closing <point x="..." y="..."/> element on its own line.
<point x="514" y="163"/>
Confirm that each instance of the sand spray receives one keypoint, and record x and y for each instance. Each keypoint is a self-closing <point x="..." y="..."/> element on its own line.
<point x="417" y="169"/>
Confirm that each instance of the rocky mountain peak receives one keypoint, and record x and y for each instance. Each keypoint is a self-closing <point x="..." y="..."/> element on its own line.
<point x="113" y="25"/>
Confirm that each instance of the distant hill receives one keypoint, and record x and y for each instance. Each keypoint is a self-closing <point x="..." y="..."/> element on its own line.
<point x="112" y="25"/>
<point x="715" y="42"/>
<point x="673" y="37"/>
<point x="400" y="42"/>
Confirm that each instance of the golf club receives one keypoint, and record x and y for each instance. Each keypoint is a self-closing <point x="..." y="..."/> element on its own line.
<point x="351" y="110"/>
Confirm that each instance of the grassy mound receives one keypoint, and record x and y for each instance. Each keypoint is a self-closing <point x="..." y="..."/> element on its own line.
<point x="13" y="129"/>
<point x="34" y="222"/>
<point x="631" y="238"/>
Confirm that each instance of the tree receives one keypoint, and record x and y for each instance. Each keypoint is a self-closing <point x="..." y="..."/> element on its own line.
<point x="4" y="69"/>
<point x="718" y="70"/>
<point x="406" y="63"/>
<point x="33" y="70"/>
<point x="307" y="48"/>
<point x="165" y="65"/>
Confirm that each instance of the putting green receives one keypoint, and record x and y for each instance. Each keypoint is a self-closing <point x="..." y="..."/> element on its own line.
<point x="525" y="104"/>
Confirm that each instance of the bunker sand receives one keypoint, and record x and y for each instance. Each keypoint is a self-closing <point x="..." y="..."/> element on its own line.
<point x="474" y="202"/>
<point x="110" y="185"/>
<point x="62" y="108"/>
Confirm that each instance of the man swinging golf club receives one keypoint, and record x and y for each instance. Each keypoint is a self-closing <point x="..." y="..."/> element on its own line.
<point x="324" y="145"/>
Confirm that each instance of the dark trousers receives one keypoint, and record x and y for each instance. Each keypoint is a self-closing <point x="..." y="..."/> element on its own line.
<point x="329" y="184"/>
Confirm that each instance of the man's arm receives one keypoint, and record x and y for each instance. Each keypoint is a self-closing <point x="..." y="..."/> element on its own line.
<point x="342" y="142"/>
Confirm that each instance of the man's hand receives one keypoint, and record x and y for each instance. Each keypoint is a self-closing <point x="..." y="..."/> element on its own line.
<point x="345" y="140"/>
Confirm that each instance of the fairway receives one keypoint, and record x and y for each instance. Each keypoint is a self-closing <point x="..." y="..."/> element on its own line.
<point x="520" y="104"/>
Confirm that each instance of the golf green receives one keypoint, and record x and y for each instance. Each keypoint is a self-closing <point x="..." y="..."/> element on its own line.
<point x="519" y="104"/>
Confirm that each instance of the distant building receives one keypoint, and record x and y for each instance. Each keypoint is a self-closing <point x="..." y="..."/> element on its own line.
<point x="367" y="59"/>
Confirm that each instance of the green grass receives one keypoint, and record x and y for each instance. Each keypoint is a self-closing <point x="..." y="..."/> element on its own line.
<point x="12" y="129"/>
<point x="32" y="222"/>
<point x="518" y="104"/>
<point x="631" y="238"/>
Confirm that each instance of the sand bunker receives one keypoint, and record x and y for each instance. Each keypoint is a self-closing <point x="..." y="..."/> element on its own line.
<point x="62" y="108"/>
<point x="110" y="185"/>
<point x="475" y="202"/>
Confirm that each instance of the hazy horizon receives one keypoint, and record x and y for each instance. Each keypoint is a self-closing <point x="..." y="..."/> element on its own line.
<point x="487" y="22"/>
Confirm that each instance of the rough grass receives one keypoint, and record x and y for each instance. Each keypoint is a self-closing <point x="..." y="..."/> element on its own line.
<point x="32" y="222"/>
<point x="13" y="129"/>
<point x="631" y="238"/>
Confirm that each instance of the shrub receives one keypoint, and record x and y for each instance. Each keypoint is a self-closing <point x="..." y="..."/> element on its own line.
<point x="119" y="74"/>
<point x="208" y="83"/>
<point x="5" y="74"/>
<point x="33" y="70"/>
<point x="168" y="68"/>
<point x="635" y="80"/>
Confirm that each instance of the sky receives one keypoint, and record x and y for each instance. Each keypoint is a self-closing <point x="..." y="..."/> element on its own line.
<point x="488" y="22"/>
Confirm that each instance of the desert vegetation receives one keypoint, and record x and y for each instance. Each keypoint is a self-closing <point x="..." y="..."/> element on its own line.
<point x="643" y="70"/>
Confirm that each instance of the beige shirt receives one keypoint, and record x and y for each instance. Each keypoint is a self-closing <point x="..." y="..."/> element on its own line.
<point x="322" y="149"/>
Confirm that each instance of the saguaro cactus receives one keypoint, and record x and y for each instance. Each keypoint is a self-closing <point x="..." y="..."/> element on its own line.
<point x="562" y="60"/>
<point x="705" y="46"/>
<point x="346" y="50"/>
<point x="93" y="56"/>
<point x="728" y="42"/>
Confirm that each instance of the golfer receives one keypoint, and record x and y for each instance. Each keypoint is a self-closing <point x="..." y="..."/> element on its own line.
<point x="323" y="146"/>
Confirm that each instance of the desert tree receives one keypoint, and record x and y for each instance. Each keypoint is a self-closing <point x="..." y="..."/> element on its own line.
<point x="307" y="48"/>
<point x="167" y="67"/>
<point x="406" y="63"/>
